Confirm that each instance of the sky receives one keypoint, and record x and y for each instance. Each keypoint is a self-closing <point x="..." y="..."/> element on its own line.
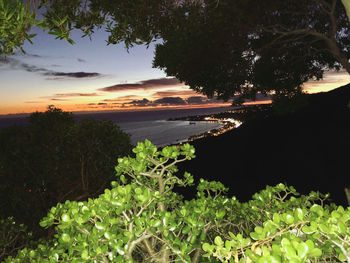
<point x="91" y="76"/>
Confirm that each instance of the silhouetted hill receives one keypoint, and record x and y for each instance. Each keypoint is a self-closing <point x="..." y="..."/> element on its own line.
<point x="308" y="149"/>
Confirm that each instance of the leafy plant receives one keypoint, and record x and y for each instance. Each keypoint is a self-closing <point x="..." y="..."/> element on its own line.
<point x="141" y="219"/>
<point x="308" y="233"/>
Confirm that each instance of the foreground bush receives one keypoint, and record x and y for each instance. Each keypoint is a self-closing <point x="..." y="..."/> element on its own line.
<point x="146" y="221"/>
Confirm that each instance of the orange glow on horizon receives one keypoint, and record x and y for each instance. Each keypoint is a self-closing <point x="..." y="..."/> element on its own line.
<point x="95" y="101"/>
<point x="106" y="108"/>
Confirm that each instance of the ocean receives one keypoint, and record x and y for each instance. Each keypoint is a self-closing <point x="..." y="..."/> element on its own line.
<point x="151" y="124"/>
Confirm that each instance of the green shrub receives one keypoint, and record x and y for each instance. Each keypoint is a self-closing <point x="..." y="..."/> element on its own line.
<point x="144" y="220"/>
<point x="297" y="231"/>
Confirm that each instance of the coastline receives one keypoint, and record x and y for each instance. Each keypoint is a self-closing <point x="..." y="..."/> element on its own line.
<point x="228" y="120"/>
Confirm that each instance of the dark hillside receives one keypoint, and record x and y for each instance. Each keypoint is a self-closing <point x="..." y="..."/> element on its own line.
<point x="309" y="149"/>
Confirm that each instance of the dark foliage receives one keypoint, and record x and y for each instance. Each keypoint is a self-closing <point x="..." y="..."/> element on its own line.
<point x="53" y="159"/>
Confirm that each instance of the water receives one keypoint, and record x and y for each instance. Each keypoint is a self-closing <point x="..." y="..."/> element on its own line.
<point x="151" y="124"/>
<point x="162" y="132"/>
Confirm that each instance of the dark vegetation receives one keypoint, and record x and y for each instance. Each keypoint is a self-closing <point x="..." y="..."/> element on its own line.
<point x="53" y="159"/>
<point x="307" y="148"/>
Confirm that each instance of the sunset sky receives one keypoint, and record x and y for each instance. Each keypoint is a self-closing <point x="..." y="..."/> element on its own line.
<point x="91" y="76"/>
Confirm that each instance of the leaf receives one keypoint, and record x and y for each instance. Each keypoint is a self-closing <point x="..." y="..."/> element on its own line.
<point x="65" y="218"/>
<point x="65" y="237"/>
<point x="208" y="248"/>
<point x="342" y="229"/>
<point x="323" y="228"/>
<point x="307" y="230"/>
<point x="276" y="218"/>
<point x="218" y="241"/>
<point x="254" y="235"/>
<point x="85" y="254"/>
<point x="290" y="251"/>
<point x="302" y="250"/>
<point x="315" y="253"/>
<point x="289" y="219"/>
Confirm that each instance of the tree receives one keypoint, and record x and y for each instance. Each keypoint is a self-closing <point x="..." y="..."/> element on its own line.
<point x="146" y="221"/>
<point x="230" y="48"/>
<point x="220" y="48"/>
<point x="54" y="159"/>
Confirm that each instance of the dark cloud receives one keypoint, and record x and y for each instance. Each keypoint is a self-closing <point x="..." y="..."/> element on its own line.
<point x="141" y="103"/>
<point x="101" y="103"/>
<point x="145" y="84"/>
<point x="197" y="100"/>
<point x="56" y="99"/>
<point x="32" y="68"/>
<point x="73" y="74"/>
<point x="161" y="82"/>
<point x="167" y="101"/>
<point x="81" y="60"/>
<point x="77" y="94"/>
<point x="13" y="63"/>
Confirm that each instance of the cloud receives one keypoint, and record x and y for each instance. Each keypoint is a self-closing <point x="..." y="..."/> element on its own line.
<point x="15" y="64"/>
<point x="172" y="93"/>
<point x="197" y="100"/>
<point x="145" y="84"/>
<point x="72" y="74"/>
<point x="56" y="99"/>
<point x="77" y="94"/>
<point x="141" y="103"/>
<point x="167" y="101"/>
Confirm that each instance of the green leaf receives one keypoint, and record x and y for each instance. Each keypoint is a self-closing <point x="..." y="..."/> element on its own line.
<point x="290" y="251"/>
<point x="276" y="218"/>
<point x="302" y="250"/>
<point x="65" y="237"/>
<point x="323" y="228"/>
<point x="315" y="253"/>
<point x="258" y="229"/>
<point x="289" y="219"/>
<point x="207" y="247"/>
<point x="341" y="227"/>
<point x="85" y="254"/>
<point x="65" y="218"/>
<point x="308" y="230"/>
<point x="218" y="241"/>
<point x="254" y="236"/>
